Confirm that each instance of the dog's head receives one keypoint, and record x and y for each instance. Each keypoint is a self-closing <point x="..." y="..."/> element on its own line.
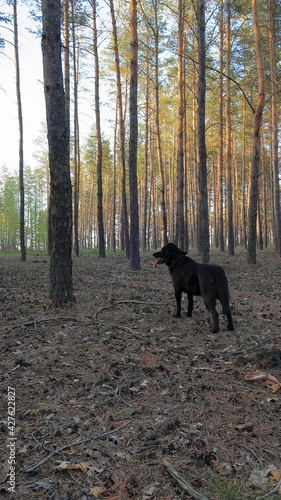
<point x="168" y="254"/>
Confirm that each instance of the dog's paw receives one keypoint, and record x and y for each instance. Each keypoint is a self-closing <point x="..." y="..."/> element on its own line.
<point x="215" y="330"/>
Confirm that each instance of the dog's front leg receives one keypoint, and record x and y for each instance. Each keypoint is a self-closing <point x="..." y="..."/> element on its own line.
<point x="178" y="294"/>
<point x="190" y="305"/>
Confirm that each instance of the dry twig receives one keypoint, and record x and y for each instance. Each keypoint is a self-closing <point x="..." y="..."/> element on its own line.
<point x="35" y="466"/>
<point x="183" y="483"/>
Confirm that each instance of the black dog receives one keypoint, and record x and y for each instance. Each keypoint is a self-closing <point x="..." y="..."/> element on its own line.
<point x="207" y="280"/>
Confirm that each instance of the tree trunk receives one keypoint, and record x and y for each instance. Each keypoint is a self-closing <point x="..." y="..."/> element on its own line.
<point x="133" y="144"/>
<point x="228" y="141"/>
<point x="146" y="156"/>
<point x="61" y="287"/>
<point x="180" y="233"/>
<point x="20" y="120"/>
<point x="76" y="135"/>
<point x="101" y="241"/>
<point x="124" y="209"/>
<point x="158" y="130"/>
<point x="256" y="141"/>
<point x="274" y="128"/>
<point x="203" y="216"/>
<point x="220" y="153"/>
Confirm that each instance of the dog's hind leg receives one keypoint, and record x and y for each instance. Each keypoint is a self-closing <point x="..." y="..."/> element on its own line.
<point x="190" y="305"/>
<point x="178" y="294"/>
<point x="211" y="306"/>
<point x="215" y="316"/>
<point x="230" y="326"/>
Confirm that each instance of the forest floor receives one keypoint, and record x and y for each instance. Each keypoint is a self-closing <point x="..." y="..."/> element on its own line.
<point x="114" y="396"/>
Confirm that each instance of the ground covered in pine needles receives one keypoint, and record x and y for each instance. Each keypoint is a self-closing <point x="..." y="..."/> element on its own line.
<point x="114" y="398"/>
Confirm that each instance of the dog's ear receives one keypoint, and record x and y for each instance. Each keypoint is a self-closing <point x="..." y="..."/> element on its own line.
<point x="183" y="253"/>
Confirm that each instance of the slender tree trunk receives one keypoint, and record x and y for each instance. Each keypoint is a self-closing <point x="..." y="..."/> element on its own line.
<point x="101" y="242"/>
<point x="114" y="186"/>
<point x="220" y="153"/>
<point x="181" y="112"/>
<point x="61" y="287"/>
<point x="274" y="128"/>
<point x="20" y="121"/>
<point x="146" y="156"/>
<point x="256" y="141"/>
<point x="66" y="58"/>
<point x="204" y="244"/>
<point x="228" y="141"/>
<point x="76" y="134"/>
<point x="158" y="129"/>
<point x="124" y="209"/>
<point x="133" y="144"/>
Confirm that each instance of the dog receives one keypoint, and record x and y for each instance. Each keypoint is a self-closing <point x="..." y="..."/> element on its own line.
<point x="206" y="280"/>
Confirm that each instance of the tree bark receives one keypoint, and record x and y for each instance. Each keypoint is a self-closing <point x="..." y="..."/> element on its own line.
<point x="220" y="152"/>
<point x="228" y="141"/>
<point x="256" y="141"/>
<point x="133" y="144"/>
<point x="61" y="287"/>
<point x="274" y="129"/>
<point x="158" y="130"/>
<point x="124" y="208"/>
<point x="76" y="133"/>
<point x="180" y="233"/>
<point x="203" y="216"/>
<point x="20" y="120"/>
<point x="101" y="239"/>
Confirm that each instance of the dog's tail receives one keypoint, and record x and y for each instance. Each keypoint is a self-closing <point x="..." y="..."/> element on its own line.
<point x="223" y="292"/>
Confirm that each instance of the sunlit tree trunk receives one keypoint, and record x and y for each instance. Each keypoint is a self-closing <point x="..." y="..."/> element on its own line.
<point x="146" y="155"/>
<point x="256" y="141"/>
<point x="220" y="152"/>
<point x="20" y="121"/>
<point x="180" y="233"/>
<point x="228" y="141"/>
<point x="274" y="127"/>
<point x="101" y="239"/>
<point x="124" y="209"/>
<point x="133" y="144"/>
<point x="158" y="129"/>
<point x="203" y="222"/>
<point x="77" y="166"/>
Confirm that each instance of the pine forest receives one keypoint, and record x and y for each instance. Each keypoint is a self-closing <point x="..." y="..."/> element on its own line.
<point x="218" y="62"/>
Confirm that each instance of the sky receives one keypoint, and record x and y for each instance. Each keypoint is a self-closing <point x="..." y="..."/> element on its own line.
<point x="32" y="94"/>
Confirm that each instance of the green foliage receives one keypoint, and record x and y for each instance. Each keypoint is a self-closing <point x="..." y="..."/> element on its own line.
<point x="35" y="211"/>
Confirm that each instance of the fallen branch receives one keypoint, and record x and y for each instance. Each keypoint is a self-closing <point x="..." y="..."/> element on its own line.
<point x="94" y="315"/>
<point x="35" y="466"/>
<point x="45" y="320"/>
<point x="182" y="482"/>
<point x="127" y="301"/>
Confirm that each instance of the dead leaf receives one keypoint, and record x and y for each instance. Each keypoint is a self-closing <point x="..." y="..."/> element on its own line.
<point x="247" y="426"/>
<point x="256" y="376"/>
<point x="276" y="474"/>
<point x="264" y="377"/>
<point x="82" y="466"/>
<point x="96" y="491"/>
<point x="224" y="469"/>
